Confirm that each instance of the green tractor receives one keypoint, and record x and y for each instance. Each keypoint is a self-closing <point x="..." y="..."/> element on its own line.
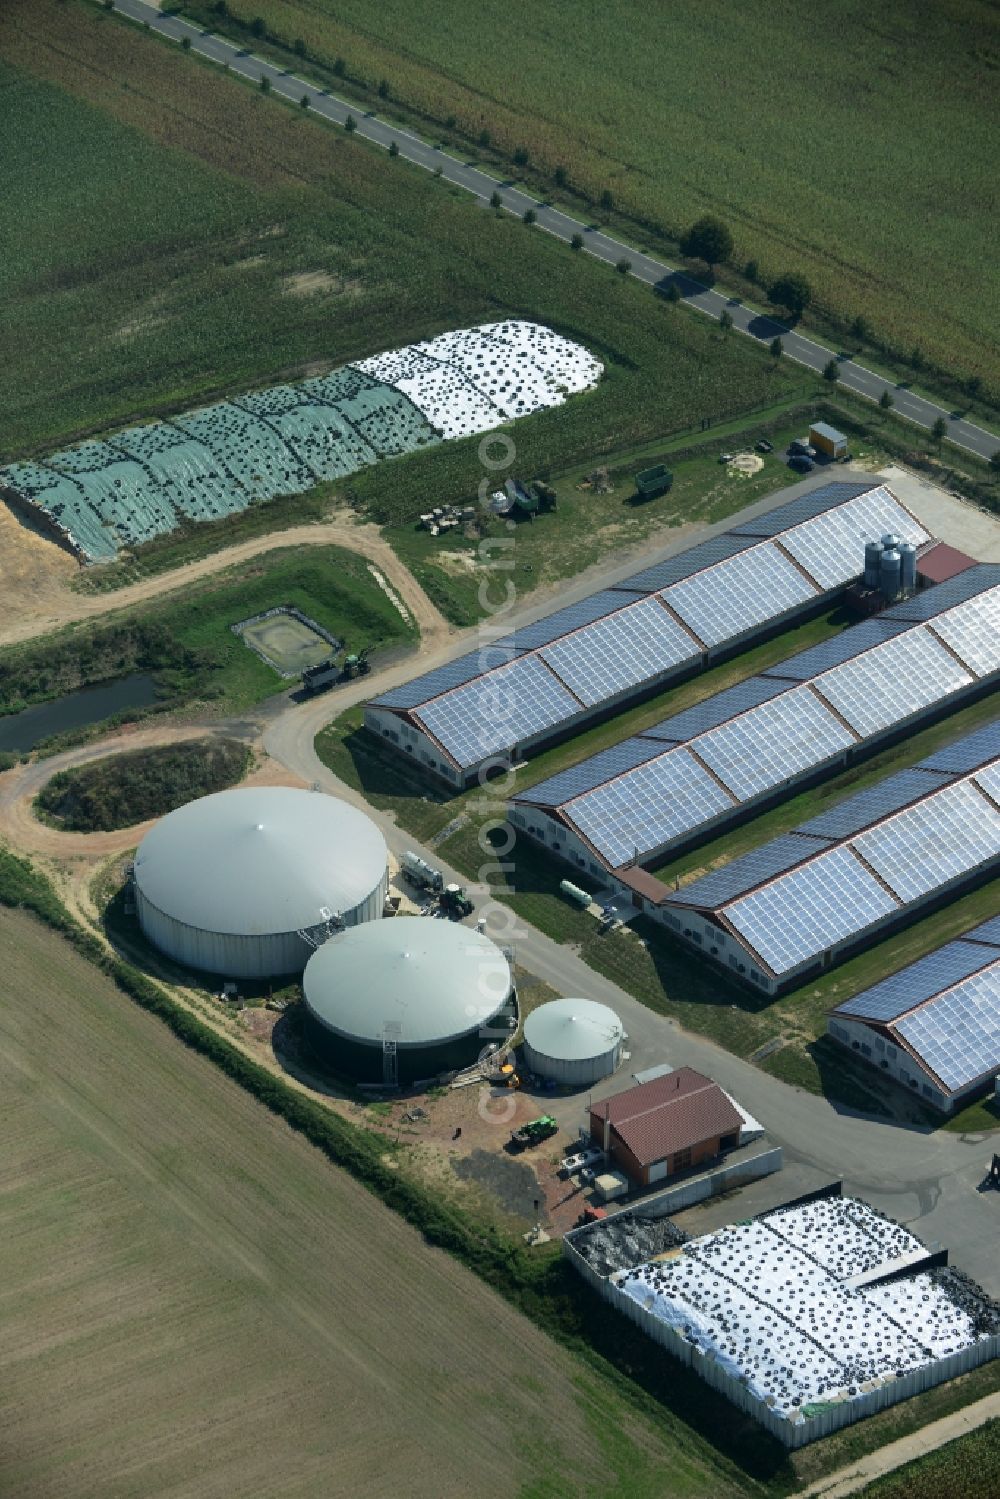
<point x="455" y="903"/>
<point x="534" y="1132"/>
<point x="356" y="665"/>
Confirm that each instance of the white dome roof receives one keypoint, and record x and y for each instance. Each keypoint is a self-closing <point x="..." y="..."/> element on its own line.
<point x="260" y="860"/>
<point x="434" y="980"/>
<point x="572" y="1030"/>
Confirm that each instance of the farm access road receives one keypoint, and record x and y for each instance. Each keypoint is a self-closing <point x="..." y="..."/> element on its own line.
<point x="655" y="273"/>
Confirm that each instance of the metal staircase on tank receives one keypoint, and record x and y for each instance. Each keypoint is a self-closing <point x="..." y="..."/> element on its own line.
<point x="328" y="927"/>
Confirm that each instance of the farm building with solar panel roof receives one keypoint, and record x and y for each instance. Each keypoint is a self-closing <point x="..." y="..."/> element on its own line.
<point x="784" y="912"/>
<point x="934" y="1026"/>
<point x="587" y="661"/>
<point x="688" y="777"/>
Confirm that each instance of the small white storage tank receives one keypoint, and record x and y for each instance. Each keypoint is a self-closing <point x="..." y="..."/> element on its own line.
<point x="573" y="1041"/>
<point x="229" y="883"/>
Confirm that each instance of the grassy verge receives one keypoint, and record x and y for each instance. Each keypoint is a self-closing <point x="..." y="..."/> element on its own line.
<point x="186" y="639"/>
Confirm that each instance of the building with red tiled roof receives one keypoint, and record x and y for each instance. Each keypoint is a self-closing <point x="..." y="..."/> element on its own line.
<point x="667" y="1125"/>
<point x="941" y="562"/>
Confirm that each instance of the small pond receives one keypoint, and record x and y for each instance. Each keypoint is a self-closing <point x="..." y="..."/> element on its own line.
<point x="22" y="731"/>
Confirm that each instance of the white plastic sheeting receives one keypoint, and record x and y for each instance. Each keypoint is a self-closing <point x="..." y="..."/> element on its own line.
<point x="770" y="1303"/>
<point x="475" y="378"/>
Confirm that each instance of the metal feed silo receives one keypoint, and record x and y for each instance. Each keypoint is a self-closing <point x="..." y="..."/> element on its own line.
<point x="908" y="560"/>
<point x="405" y="1000"/>
<point x="245" y="882"/>
<point x="573" y="1041"/>
<point x="873" y="558"/>
<point x="890" y="541"/>
<point x="890" y="573"/>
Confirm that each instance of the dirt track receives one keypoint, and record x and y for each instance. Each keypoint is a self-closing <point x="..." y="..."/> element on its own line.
<point x="37" y="576"/>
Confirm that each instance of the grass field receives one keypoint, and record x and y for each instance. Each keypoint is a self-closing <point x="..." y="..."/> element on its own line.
<point x="828" y="146"/>
<point x="171" y="209"/>
<point x="187" y="641"/>
<point x="195" y="1301"/>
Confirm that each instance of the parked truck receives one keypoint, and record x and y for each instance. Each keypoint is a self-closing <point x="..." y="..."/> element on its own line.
<point x="419" y="872"/>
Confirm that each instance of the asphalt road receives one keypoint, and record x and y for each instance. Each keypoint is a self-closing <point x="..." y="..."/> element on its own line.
<point x="655" y="273"/>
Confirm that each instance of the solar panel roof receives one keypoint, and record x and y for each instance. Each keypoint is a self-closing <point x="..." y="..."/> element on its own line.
<point x="892" y="682"/>
<point x="719" y="708"/>
<point x="988" y="932"/>
<point x="918" y="982"/>
<point x="988" y="780"/>
<point x="831" y="546"/>
<point x="590" y="773"/>
<point x="634" y="645"/>
<point x="772" y="742"/>
<point x="865" y="807"/>
<point x="967" y="753"/>
<point x="673" y="569"/>
<point x="933" y="601"/>
<point x="651" y="804"/>
<point x="958" y="1034"/>
<point x="794" y="512"/>
<point x="551" y="626"/>
<point x="972" y="630"/>
<point x="454" y="674"/>
<point x="486" y="717"/>
<point x="933" y="842"/>
<point x="802" y="913"/>
<point x="846" y="646"/>
<point x="740" y="875"/>
<point x="739" y="593"/>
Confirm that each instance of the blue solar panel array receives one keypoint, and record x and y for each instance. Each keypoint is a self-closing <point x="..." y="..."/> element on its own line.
<point x="717" y="602"/>
<point x="957" y="1035"/>
<point x="590" y="773"/>
<point x="715" y="710"/>
<point x="866" y="807"/>
<point x="801" y="894"/>
<point x="674" y="569"/>
<point x="742" y="874"/>
<point x="835" y="651"/>
<point x="919" y="982"/>
<point x="573" y="617"/>
<point x="486" y="718"/>
<point x="968" y="753"/>
<point x="932" y="601"/>
<point x="772" y="522"/>
<point x="810" y="909"/>
<point x="443" y="678"/>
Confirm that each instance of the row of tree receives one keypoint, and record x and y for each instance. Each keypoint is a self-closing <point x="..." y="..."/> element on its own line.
<point x="710" y="240"/>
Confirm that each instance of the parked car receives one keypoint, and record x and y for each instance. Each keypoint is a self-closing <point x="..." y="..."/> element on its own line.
<point x="801" y="464"/>
<point x="802" y="446"/>
<point x="763" y="446"/>
<point x="725" y="457"/>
